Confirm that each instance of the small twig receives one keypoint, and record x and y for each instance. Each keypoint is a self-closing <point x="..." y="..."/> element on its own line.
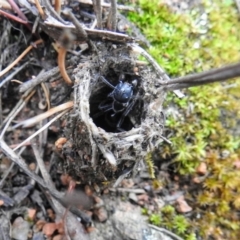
<point x="16" y="71"/>
<point x="41" y="166"/>
<point x="17" y="10"/>
<point x="39" y="8"/>
<point x="9" y="67"/>
<point x="42" y="77"/>
<point x="46" y="92"/>
<point x="17" y="81"/>
<point x="34" y="120"/>
<point x="167" y="232"/>
<point x="13" y="17"/>
<point x="19" y="106"/>
<point x="128" y="190"/>
<point x="112" y="17"/>
<point x="214" y="75"/>
<point x="98" y="11"/>
<point x="62" y="51"/>
<point x="76" y="23"/>
<point x="7" y="172"/>
<point x="53" y="12"/>
<point x="40" y="130"/>
<point x="57" y="6"/>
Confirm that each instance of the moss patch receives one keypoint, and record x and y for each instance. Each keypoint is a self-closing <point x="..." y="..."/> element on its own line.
<point x="192" y="42"/>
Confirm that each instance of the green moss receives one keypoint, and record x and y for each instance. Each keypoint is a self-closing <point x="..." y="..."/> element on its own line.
<point x="200" y="129"/>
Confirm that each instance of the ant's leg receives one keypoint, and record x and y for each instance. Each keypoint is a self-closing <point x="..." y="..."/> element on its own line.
<point x="126" y="112"/>
<point x="107" y="82"/>
<point x="103" y="109"/>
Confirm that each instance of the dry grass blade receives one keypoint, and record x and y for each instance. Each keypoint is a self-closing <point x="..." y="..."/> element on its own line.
<point x="25" y="52"/>
<point x="10" y="16"/>
<point x="19" y="106"/>
<point x="39" y="7"/>
<point x="40" y="130"/>
<point x="41" y="166"/>
<point x="34" y="120"/>
<point x="17" y="10"/>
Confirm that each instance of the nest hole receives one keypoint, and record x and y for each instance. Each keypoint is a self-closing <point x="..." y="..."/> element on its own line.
<point x="108" y="120"/>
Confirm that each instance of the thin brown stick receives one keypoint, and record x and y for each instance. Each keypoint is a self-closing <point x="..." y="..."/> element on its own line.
<point x="28" y="49"/>
<point x="39" y="8"/>
<point x="15" y="18"/>
<point x="17" y="10"/>
<point x="217" y="74"/>
<point x="57" y="6"/>
<point x="61" y="64"/>
<point x="41" y="165"/>
<point x="46" y="92"/>
<point x="34" y="120"/>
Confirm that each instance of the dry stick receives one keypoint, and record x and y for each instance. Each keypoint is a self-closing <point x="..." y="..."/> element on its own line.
<point x="47" y="179"/>
<point x="9" y="67"/>
<point x="165" y="231"/>
<point x="41" y="165"/>
<point x="98" y="11"/>
<point x="20" y="162"/>
<point x="46" y="92"/>
<point x="221" y="71"/>
<point x="16" y="81"/>
<point x="53" y="12"/>
<point x="218" y="74"/>
<point x="16" y="71"/>
<point x="112" y="17"/>
<point x="40" y="130"/>
<point x="41" y="77"/>
<point x="15" y="18"/>
<point x="63" y="51"/>
<point x="7" y="172"/>
<point x="39" y="8"/>
<point x="34" y="120"/>
<point x="21" y="103"/>
<point x="17" y="10"/>
<point x="57" y="6"/>
<point x="20" y="13"/>
<point x="61" y="64"/>
<point x="76" y="23"/>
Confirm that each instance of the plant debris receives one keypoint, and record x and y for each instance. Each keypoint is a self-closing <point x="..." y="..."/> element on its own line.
<point x="80" y="113"/>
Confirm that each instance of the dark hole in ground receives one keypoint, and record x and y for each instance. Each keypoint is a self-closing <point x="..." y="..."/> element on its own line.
<point x="108" y="120"/>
